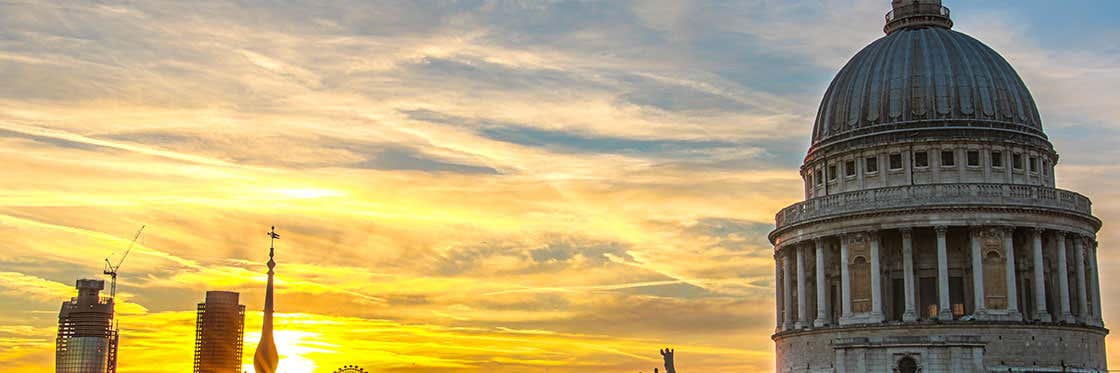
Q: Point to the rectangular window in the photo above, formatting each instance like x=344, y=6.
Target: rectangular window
x=921, y=159
x=973, y=158
x=997, y=159
x=948, y=158
x=819, y=177
x=832, y=172
x=896, y=161
x=1045, y=168
x=850, y=168
x=871, y=164
x=1034, y=164
x=1017, y=161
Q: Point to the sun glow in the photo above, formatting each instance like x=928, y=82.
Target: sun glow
x=294, y=346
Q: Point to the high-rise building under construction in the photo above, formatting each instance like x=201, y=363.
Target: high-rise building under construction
x=87, y=341
x=219, y=333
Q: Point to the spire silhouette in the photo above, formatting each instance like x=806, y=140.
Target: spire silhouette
x=265, y=360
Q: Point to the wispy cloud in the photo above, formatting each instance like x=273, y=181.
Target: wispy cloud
x=461, y=186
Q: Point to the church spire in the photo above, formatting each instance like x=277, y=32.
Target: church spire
x=266, y=359
x=916, y=14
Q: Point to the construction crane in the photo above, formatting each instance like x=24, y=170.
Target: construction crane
x=111, y=269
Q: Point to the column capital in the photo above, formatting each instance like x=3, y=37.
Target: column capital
x=1039, y=230
x=872, y=233
x=1061, y=233
x=1007, y=229
x=941, y=229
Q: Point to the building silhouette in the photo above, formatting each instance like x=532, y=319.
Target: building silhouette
x=87, y=341
x=932, y=237
x=219, y=331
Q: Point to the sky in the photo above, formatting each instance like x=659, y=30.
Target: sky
x=459, y=186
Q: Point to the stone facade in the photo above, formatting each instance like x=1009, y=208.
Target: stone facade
x=932, y=238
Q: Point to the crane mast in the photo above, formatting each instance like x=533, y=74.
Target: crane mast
x=111, y=269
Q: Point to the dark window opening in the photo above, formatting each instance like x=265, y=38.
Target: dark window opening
x=956, y=297
x=907, y=365
x=1034, y=164
x=921, y=159
x=948, y=158
x=974, y=158
x=898, y=299
x=997, y=159
x=820, y=179
x=928, y=297
x=850, y=168
x=896, y=161
x=832, y=172
x=1017, y=161
x=871, y=164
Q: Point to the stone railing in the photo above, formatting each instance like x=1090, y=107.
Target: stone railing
x=917, y=10
x=928, y=195
x=917, y=15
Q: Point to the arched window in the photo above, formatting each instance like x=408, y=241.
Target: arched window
x=907, y=364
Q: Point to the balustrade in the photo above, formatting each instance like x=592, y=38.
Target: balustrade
x=930, y=195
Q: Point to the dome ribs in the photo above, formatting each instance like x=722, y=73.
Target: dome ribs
x=932, y=78
x=885, y=52
x=899, y=72
x=919, y=77
x=942, y=75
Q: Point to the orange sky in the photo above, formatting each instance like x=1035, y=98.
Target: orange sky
x=459, y=187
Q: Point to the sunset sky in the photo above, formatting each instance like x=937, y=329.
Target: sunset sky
x=460, y=186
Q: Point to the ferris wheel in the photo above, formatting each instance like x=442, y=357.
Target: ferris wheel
x=350, y=369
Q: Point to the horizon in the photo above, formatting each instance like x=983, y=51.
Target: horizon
x=495, y=186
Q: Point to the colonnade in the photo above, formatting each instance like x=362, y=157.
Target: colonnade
x=988, y=254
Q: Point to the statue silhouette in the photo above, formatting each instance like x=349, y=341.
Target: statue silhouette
x=667, y=354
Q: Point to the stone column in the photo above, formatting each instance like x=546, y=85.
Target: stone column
x=1063, y=279
x=1082, y=292
x=876, y=278
x=943, y=313
x=978, y=299
x=787, y=294
x=1094, y=271
x=778, y=298
x=822, y=292
x=1039, y=278
x=1009, y=269
x=845, y=279
x=908, y=275
x=802, y=313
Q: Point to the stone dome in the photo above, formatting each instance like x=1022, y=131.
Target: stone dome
x=925, y=76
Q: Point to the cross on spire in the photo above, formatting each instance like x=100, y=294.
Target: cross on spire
x=272, y=237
